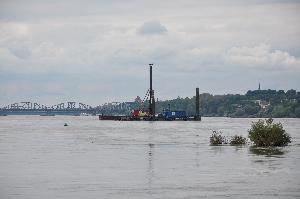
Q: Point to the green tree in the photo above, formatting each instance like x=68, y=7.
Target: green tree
x=265, y=133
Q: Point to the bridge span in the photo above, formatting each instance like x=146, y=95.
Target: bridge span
x=68, y=108
x=33, y=108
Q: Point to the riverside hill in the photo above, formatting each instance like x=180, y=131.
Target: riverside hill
x=256, y=103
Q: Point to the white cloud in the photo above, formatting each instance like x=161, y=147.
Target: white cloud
x=261, y=56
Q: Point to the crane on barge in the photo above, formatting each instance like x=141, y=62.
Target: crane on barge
x=150, y=115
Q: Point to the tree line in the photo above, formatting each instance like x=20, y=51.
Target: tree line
x=257, y=103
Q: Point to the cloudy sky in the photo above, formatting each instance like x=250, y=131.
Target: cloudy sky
x=98, y=51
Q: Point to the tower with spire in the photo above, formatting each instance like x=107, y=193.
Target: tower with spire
x=259, y=86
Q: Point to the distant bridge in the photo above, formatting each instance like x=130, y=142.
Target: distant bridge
x=68, y=108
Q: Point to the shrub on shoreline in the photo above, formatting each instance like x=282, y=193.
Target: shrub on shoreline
x=265, y=133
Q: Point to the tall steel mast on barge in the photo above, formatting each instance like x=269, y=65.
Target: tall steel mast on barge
x=152, y=99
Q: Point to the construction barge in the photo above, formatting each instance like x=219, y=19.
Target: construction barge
x=150, y=115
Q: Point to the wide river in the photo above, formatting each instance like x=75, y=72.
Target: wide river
x=40, y=158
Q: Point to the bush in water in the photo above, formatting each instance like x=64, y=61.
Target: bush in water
x=265, y=133
x=238, y=140
x=217, y=139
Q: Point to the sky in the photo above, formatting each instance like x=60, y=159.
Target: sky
x=98, y=51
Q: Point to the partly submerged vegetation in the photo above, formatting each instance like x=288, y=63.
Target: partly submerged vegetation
x=218, y=139
x=238, y=140
x=265, y=133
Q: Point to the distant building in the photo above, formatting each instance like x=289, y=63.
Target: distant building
x=259, y=86
x=262, y=103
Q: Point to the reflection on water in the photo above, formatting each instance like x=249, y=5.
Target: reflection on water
x=269, y=151
x=40, y=158
x=150, y=167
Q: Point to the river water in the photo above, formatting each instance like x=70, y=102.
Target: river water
x=40, y=158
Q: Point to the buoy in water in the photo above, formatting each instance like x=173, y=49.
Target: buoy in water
x=65, y=124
